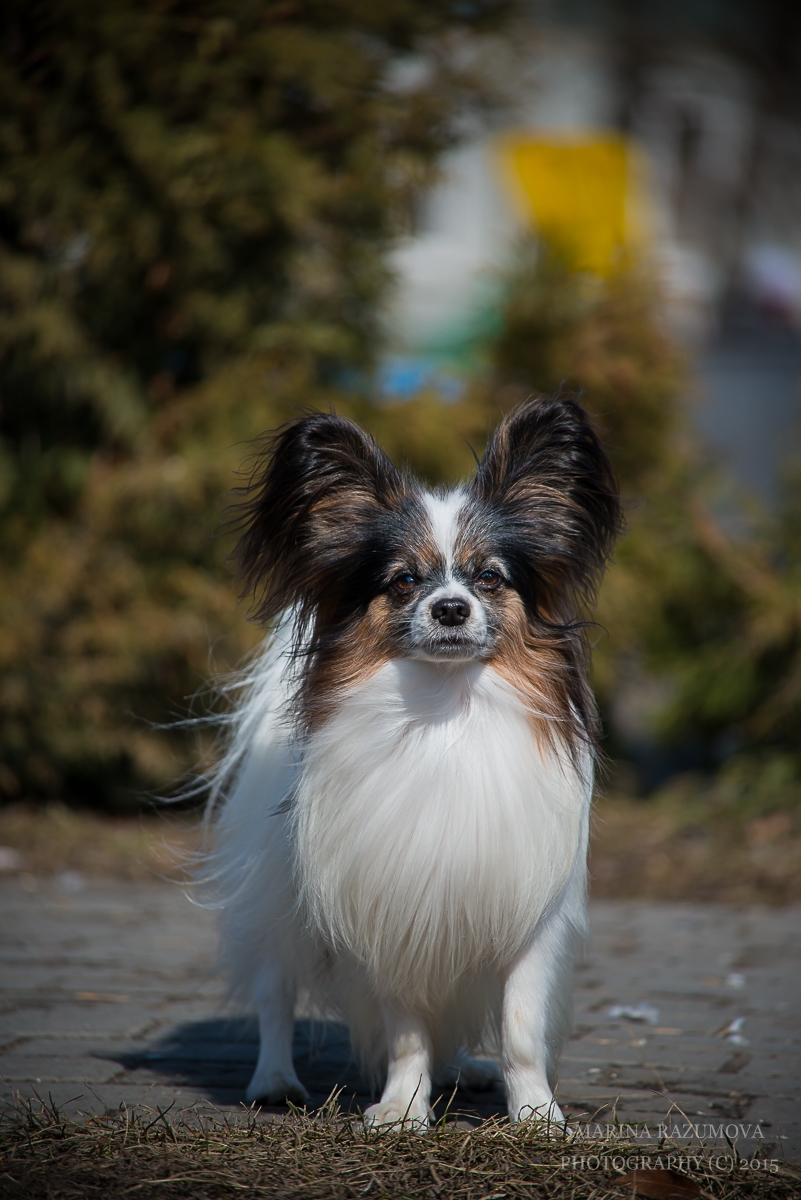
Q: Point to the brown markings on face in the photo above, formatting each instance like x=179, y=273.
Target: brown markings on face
x=346, y=655
x=474, y=548
x=544, y=660
x=548, y=672
x=426, y=554
x=546, y=667
x=350, y=661
x=428, y=563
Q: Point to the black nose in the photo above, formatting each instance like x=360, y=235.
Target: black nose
x=450, y=612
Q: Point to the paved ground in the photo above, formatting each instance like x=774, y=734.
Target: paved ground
x=107, y=995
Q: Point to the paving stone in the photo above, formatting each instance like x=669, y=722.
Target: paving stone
x=108, y=997
x=19, y=1067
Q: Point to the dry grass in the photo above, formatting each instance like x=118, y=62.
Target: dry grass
x=667, y=849
x=652, y=849
x=53, y=839
x=329, y=1156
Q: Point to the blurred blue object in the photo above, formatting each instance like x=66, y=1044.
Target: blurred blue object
x=402, y=377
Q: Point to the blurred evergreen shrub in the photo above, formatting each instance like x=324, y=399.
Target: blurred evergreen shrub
x=194, y=207
x=699, y=629
x=194, y=204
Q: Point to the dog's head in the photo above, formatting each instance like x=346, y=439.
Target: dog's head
x=375, y=566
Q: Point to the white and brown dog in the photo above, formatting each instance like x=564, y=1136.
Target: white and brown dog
x=401, y=816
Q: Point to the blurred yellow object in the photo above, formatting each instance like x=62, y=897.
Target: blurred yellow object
x=586, y=195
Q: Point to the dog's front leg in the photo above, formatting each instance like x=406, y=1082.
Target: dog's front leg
x=407, y=1094
x=534, y=990
x=274, y=1080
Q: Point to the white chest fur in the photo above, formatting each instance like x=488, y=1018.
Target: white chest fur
x=432, y=831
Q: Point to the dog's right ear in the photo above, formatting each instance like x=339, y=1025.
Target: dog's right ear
x=546, y=471
x=314, y=495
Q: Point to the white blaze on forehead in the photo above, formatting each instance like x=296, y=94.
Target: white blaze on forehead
x=443, y=514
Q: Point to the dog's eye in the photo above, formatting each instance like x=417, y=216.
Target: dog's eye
x=489, y=580
x=404, y=583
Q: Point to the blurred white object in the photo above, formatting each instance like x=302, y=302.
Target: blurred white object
x=692, y=287
x=466, y=231
x=71, y=881
x=773, y=275
x=10, y=860
x=731, y=1032
x=735, y=980
x=641, y=1012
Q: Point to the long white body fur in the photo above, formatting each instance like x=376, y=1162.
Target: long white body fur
x=417, y=865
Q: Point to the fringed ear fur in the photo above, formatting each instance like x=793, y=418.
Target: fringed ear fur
x=547, y=475
x=320, y=491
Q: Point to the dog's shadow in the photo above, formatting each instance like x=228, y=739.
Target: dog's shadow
x=217, y=1056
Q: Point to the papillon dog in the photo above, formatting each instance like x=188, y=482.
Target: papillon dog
x=401, y=817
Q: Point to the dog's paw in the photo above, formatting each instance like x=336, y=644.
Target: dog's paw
x=392, y=1112
x=469, y=1074
x=276, y=1088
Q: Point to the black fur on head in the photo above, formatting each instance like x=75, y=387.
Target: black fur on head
x=324, y=508
x=550, y=498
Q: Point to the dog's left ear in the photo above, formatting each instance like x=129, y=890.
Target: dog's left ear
x=547, y=473
x=319, y=497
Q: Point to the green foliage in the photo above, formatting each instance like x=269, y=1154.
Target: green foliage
x=194, y=205
x=603, y=338
x=708, y=624
x=732, y=640
x=605, y=341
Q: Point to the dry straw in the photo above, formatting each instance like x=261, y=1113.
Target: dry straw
x=331, y=1156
